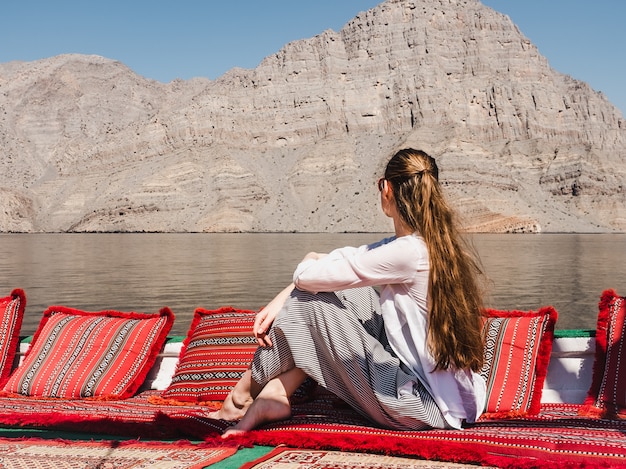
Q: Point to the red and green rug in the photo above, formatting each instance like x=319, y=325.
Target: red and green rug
x=558, y=436
x=290, y=458
x=38, y=453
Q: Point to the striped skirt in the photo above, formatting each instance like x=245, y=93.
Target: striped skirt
x=338, y=339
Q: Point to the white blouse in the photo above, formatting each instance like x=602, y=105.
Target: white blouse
x=400, y=267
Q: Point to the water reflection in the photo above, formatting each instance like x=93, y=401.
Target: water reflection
x=566, y=271
x=144, y=272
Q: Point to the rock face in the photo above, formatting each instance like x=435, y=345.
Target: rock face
x=297, y=143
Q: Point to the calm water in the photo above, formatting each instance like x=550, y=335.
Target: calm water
x=144, y=272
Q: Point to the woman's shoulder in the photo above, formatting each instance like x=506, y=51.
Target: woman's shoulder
x=404, y=249
x=414, y=241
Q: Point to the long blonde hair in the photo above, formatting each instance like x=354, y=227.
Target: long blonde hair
x=455, y=326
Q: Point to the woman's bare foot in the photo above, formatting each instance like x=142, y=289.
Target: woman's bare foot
x=262, y=410
x=271, y=404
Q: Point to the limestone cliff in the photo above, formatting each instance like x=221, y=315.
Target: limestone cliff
x=297, y=143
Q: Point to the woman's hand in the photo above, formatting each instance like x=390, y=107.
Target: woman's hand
x=266, y=316
x=262, y=324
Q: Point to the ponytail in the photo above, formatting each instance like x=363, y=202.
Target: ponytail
x=455, y=314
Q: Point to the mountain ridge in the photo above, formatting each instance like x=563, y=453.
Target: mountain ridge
x=296, y=143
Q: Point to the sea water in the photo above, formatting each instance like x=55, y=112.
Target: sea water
x=145, y=272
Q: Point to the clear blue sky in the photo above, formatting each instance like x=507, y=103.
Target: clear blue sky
x=188, y=38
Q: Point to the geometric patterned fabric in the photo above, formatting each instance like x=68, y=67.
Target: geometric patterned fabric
x=217, y=351
x=554, y=438
x=557, y=436
x=283, y=458
x=36, y=453
x=76, y=354
x=517, y=352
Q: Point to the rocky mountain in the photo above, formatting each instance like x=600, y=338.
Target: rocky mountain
x=297, y=143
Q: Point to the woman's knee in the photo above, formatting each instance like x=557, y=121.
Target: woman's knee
x=306, y=307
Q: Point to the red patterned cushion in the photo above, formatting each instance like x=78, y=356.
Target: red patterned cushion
x=78, y=354
x=11, y=315
x=607, y=394
x=217, y=351
x=517, y=353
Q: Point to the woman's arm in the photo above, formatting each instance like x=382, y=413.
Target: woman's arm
x=390, y=261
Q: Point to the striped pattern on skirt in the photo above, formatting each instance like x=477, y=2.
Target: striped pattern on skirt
x=339, y=340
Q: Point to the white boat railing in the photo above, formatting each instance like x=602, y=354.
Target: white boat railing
x=568, y=378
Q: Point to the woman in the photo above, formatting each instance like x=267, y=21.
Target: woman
x=406, y=358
